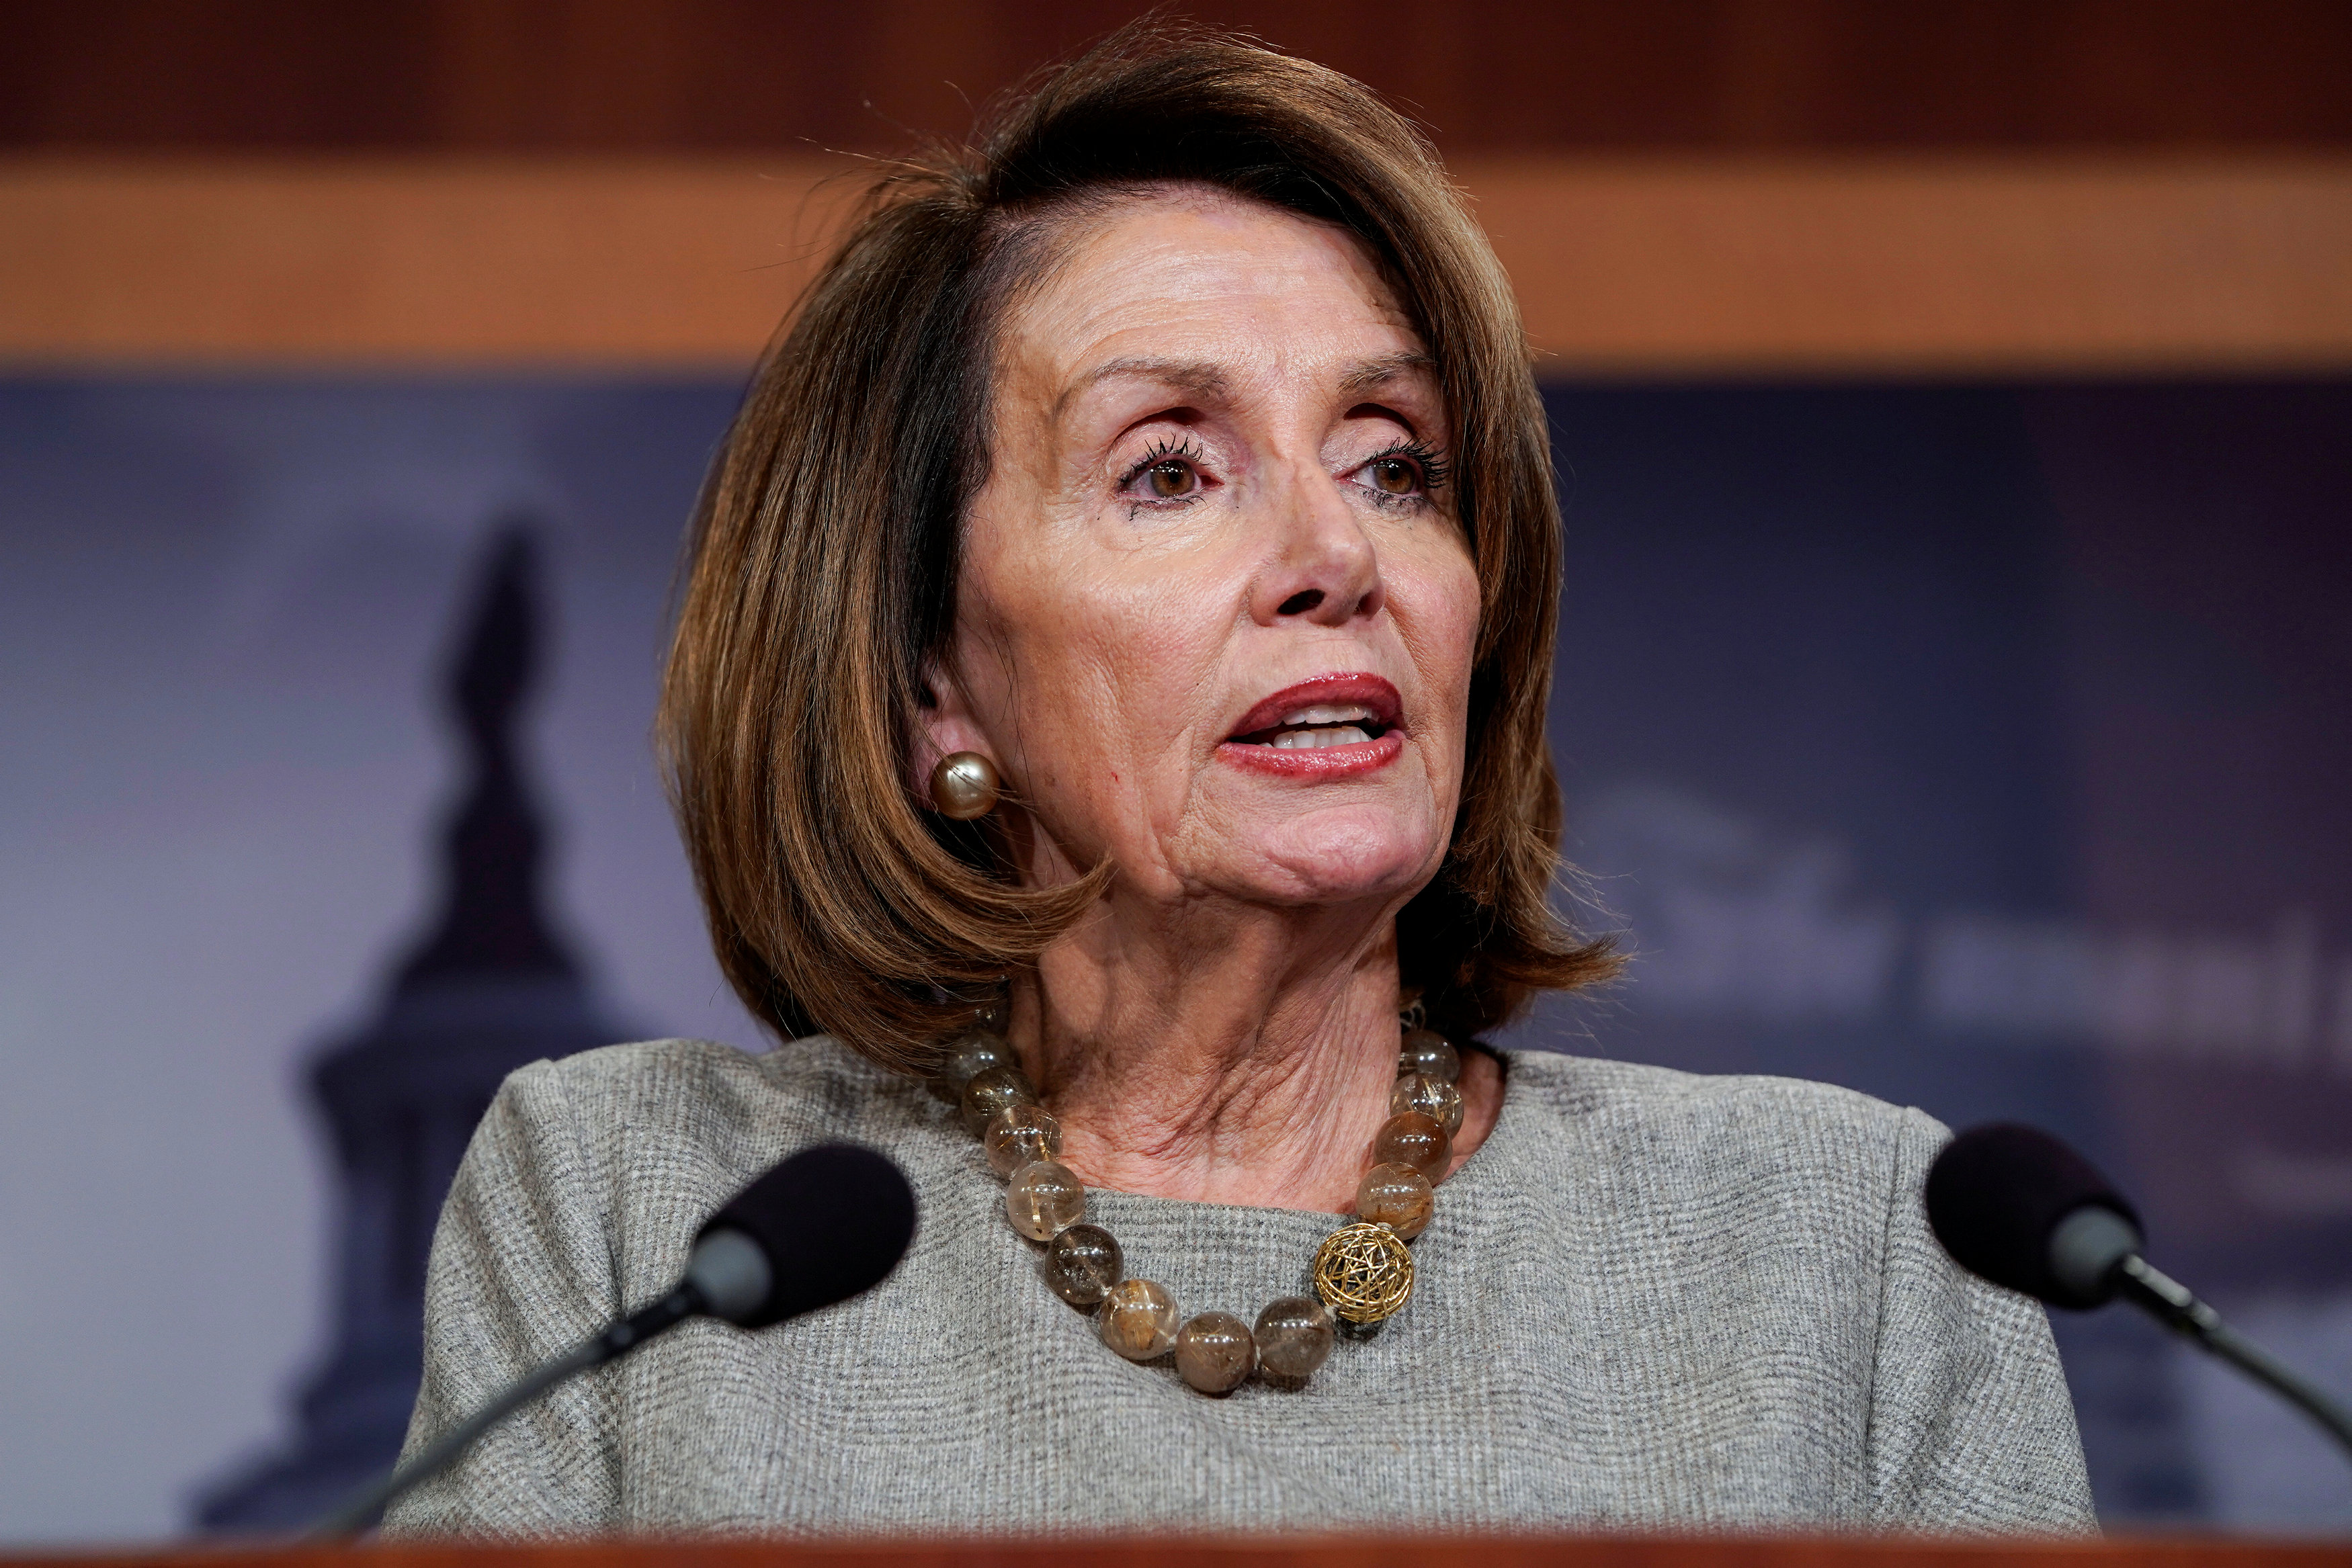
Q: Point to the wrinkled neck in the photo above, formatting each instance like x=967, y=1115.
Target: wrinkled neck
x=1213, y=1055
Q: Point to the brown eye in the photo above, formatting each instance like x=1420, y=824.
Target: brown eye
x=1395, y=476
x=1171, y=479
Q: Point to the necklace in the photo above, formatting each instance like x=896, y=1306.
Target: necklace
x=1362, y=1273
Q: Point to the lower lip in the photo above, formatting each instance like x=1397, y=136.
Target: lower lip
x=1315, y=763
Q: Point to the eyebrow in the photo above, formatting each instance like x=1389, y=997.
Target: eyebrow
x=1198, y=377
x=1387, y=368
x=1203, y=379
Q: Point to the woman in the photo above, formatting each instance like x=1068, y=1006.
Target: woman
x=1122, y=615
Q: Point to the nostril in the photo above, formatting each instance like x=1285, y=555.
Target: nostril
x=1300, y=603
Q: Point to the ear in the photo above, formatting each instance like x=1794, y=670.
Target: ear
x=944, y=726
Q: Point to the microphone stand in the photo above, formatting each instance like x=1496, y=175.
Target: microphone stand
x=2173, y=1304
x=623, y=1336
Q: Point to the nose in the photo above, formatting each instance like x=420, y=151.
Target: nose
x=1320, y=566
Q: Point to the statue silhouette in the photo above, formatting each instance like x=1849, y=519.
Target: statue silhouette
x=488, y=989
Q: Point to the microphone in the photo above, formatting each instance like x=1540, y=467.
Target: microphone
x=2017, y=1206
x=826, y=1225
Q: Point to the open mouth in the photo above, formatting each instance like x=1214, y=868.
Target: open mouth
x=1333, y=726
x=1318, y=726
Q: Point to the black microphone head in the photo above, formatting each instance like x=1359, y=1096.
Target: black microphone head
x=832, y=1221
x=1995, y=1198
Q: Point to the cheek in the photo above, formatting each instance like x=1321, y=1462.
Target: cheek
x=1438, y=609
x=1107, y=661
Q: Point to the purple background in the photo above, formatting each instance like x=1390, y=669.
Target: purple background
x=1981, y=747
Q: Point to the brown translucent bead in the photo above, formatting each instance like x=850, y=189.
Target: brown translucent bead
x=1412, y=1139
x=992, y=1091
x=1043, y=1198
x=1214, y=1353
x=1083, y=1263
x=1294, y=1336
x=1137, y=1319
x=1432, y=1097
x=1427, y=1052
x=1019, y=1135
x=970, y=1054
x=1398, y=1197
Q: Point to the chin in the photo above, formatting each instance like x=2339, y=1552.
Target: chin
x=1340, y=857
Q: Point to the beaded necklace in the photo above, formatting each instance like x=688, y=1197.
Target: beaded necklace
x=1363, y=1271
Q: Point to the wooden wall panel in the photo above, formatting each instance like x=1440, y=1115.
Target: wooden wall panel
x=487, y=76
x=1623, y=267
x=1941, y=267
x=627, y=265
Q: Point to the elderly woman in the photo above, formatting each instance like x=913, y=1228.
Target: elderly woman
x=1107, y=708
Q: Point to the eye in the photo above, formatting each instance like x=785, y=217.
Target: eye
x=1408, y=471
x=1169, y=472
x=1171, y=477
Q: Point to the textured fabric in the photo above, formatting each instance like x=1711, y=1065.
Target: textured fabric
x=1649, y=1300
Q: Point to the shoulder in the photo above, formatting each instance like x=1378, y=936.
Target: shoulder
x=1626, y=1093
x=701, y=1091
x=1779, y=1223
x=617, y=1154
x=1749, y=1136
x=669, y=1121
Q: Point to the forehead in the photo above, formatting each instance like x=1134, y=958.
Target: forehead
x=1206, y=276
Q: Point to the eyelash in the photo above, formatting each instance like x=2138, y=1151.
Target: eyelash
x=1424, y=457
x=1161, y=452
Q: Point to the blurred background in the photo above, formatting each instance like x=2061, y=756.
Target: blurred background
x=1953, y=406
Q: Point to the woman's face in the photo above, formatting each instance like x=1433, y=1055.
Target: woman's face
x=1216, y=613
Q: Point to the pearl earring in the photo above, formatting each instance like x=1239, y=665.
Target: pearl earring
x=964, y=785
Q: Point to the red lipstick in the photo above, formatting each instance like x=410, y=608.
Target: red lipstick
x=1249, y=745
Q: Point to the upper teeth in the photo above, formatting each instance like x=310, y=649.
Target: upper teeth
x=1329, y=712
x=1317, y=739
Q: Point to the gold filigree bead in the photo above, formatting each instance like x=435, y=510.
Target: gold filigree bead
x=1043, y=1199
x=1427, y=1050
x=1137, y=1319
x=1409, y=1138
x=1364, y=1272
x=1019, y=1135
x=1398, y=1197
x=1432, y=1097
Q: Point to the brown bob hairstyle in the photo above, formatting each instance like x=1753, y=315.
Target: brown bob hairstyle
x=821, y=575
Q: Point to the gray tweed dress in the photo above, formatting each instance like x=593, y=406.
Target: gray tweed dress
x=1649, y=1300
